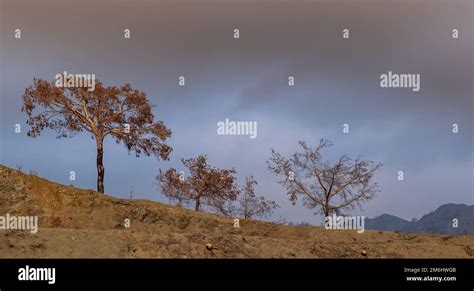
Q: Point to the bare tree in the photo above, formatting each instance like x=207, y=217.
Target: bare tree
x=329, y=188
x=205, y=186
x=121, y=112
x=251, y=206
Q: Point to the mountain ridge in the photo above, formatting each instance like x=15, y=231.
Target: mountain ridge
x=438, y=221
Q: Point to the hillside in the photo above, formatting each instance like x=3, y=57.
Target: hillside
x=83, y=223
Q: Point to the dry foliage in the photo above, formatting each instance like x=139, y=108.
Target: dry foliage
x=204, y=187
x=121, y=112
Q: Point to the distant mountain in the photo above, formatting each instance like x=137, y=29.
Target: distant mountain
x=439, y=221
x=387, y=222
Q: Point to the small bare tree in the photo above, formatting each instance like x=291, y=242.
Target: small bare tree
x=205, y=187
x=329, y=188
x=121, y=112
x=131, y=192
x=251, y=206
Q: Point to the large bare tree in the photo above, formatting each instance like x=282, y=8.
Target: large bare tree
x=121, y=112
x=327, y=187
x=204, y=186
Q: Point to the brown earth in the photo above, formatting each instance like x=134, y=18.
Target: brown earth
x=85, y=224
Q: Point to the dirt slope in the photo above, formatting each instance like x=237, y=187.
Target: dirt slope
x=83, y=223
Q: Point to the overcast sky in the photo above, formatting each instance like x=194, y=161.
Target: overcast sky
x=336, y=82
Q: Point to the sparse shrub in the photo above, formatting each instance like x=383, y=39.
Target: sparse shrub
x=250, y=206
x=206, y=187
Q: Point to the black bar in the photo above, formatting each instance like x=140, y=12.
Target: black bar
x=120, y=272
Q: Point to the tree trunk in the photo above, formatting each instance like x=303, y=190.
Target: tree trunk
x=198, y=205
x=100, y=167
x=326, y=209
